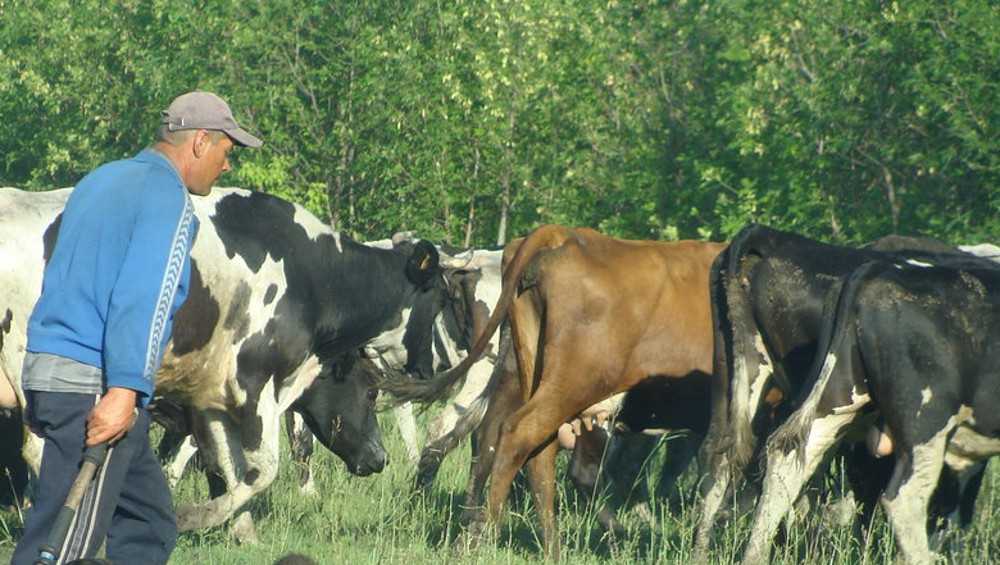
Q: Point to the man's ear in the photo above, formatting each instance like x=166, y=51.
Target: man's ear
x=200, y=142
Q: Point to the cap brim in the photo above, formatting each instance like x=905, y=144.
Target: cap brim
x=241, y=137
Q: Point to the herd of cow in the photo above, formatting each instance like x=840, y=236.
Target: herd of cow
x=771, y=351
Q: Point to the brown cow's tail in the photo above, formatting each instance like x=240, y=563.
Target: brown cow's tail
x=405, y=389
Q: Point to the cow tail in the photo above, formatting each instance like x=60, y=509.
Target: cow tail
x=737, y=348
x=833, y=343
x=716, y=439
x=404, y=389
x=838, y=319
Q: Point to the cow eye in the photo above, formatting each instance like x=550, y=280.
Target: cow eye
x=372, y=395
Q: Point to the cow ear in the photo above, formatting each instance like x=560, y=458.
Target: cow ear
x=422, y=264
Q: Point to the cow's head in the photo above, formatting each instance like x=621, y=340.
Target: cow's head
x=339, y=408
x=423, y=338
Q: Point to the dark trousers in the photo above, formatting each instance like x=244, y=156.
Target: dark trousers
x=128, y=502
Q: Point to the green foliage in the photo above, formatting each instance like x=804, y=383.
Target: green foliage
x=481, y=119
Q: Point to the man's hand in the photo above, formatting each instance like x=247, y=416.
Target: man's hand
x=112, y=417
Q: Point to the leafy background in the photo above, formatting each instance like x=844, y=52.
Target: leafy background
x=472, y=122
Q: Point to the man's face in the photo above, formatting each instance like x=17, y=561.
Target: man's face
x=212, y=161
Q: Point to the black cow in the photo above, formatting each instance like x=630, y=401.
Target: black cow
x=918, y=341
x=768, y=291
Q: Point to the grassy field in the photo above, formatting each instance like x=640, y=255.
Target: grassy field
x=377, y=520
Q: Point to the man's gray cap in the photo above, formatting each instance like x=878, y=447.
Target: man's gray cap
x=204, y=110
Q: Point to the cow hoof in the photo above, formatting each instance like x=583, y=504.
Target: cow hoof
x=612, y=527
x=308, y=488
x=187, y=518
x=645, y=514
x=427, y=470
x=243, y=530
x=466, y=544
x=470, y=516
x=471, y=538
x=193, y=517
x=699, y=556
x=841, y=513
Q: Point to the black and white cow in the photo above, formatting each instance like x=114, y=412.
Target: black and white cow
x=768, y=291
x=472, y=279
x=276, y=298
x=476, y=290
x=918, y=342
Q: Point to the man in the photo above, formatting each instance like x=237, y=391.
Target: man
x=118, y=273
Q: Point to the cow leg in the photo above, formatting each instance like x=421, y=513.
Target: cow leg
x=529, y=428
x=246, y=469
x=262, y=452
x=218, y=440
x=867, y=476
x=906, y=499
x=799, y=445
x=681, y=451
x=542, y=476
x=31, y=451
x=12, y=467
x=177, y=459
x=509, y=396
x=520, y=435
x=953, y=502
x=503, y=403
x=788, y=468
x=628, y=457
x=737, y=388
x=716, y=485
x=586, y=468
x=463, y=414
x=970, y=480
x=950, y=509
x=301, y=442
x=535, y=424
x=407, y=425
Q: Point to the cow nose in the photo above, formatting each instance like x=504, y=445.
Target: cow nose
x=379, y=458
x=373, y=461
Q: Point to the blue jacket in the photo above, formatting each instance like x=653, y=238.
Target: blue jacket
x=119, y=271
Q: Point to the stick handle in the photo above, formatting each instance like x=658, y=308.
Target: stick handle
x=93, y=458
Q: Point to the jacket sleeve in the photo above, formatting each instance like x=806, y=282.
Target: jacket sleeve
x=141, y=308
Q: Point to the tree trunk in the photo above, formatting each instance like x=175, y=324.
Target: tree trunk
x=333, y=194
x=467, y=243
x=834, y=224
x=890, y=192
x=447, y=221
x=345, y=112
x=504, y=209
x=506, y=183
x=351, y=183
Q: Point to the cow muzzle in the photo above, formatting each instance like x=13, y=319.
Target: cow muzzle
x=372, y=460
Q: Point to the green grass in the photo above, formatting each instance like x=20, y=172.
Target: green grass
x=377, y=520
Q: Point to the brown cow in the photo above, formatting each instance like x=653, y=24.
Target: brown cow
x=591, y=316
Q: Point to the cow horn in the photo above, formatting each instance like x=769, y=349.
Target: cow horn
x=448, y=262
x=401, y=236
